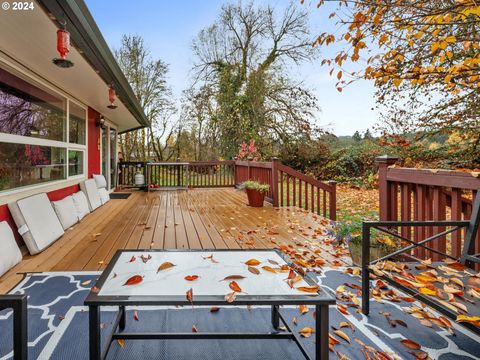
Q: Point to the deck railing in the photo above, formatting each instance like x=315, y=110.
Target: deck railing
x=288, y=187
x=423, y=194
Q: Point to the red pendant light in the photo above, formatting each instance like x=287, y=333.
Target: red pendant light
x=112, y=95
x=63, y=47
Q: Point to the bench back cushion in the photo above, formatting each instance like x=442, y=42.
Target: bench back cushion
x=66, y=212
x=10, y=254
x=36, y=221
x=81, y=204
x=100, y=181
x=89, y=187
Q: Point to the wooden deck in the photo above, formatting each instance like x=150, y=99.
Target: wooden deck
x=197, y=219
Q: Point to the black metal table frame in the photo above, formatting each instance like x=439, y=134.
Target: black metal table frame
x=94, y=301
x=18, y=303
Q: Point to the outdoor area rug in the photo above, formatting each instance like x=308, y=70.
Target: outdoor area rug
x=119, y=196
x=58, y=327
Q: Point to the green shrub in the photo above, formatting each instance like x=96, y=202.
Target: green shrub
x=254, y=185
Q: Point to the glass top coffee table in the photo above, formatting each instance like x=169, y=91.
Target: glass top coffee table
x=205, y=278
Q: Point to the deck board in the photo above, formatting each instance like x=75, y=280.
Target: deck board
x=197, y=219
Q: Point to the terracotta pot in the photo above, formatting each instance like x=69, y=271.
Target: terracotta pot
x=255, y=197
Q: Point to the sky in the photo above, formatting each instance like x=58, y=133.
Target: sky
x=169, y=26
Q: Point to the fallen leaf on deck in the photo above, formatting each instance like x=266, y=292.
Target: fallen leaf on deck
x=135, y=315
x=191, y=277
x=474, y=320
x=121, y=342
x=306, y=332
x=214, y=309
x=303, y=309
x=194, y=329
x=341, y=334
x=164, y=266
x=134, y=280
x=411, y=344
x=86, y=282
x=95, y=290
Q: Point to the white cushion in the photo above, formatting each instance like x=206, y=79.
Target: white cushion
x=81, y=204
x=10, y=254
x=36, y=221
x=66, y=212
x=100, y=181
x=89, y=187
x=104, y=196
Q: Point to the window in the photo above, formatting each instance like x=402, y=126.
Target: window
x=75, y=162
x=23, y=164
x=39, y=140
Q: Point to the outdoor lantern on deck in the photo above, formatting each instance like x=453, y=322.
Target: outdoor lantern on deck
x=111, y=97
x=63, y=47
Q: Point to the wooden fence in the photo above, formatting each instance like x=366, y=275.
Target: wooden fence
x=422, y=194
x=287, y=186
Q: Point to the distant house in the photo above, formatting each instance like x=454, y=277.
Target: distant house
x=56, y=128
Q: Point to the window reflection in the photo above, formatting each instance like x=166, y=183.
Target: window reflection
x=27, y=110
x=22, y=165
x=75, y=162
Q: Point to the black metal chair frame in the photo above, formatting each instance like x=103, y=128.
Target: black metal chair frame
x=18, y=303
x=467, y=257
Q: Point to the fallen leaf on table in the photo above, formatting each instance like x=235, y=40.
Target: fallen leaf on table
x=230, y=297
x=145, y=259
x=269, y=269
x=234, y=286
x=309, y=289
x=254, y=270
x=132, y=259
x=252, y=262
x=306, y=332
x=134, y=280
x=411, y=344
x=210, y=258
x=191, y=277
x=233, y=277
x=189, y=295
x=164, y=266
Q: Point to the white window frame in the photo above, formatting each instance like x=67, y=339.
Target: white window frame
x=66, y=145
x=108, y=125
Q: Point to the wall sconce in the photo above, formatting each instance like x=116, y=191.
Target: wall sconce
x=101, y=122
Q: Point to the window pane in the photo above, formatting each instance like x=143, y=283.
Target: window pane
x=77, y=124
x=28, y=110
x=22, y=165
x=75, y=162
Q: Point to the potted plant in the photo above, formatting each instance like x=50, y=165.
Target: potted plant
x=350, y=234
x=255, y=192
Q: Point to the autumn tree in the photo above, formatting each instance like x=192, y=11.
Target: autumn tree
x=147, y=77
x=242, y=90
x=423, y=57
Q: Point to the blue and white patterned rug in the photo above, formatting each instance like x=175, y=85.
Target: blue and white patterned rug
x=58, y=327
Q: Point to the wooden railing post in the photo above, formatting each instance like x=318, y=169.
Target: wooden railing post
x=332, y=201
x=274, y=183
x=384, y=188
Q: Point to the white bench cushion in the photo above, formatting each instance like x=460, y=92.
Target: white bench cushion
x=104, y=196
x=89, y=187
x=81, y=204
x=66, y=212
x=36, y=221
x=10, y=254
x=100, y=181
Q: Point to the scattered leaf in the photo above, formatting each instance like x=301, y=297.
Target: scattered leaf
x=306, y=332
x=254, y=270
x=190, y=296
x=252, y=262
x=309, y=289
x=134, y=280
x=411, y=344
x=230, y=297
x=234, y=286
x=191, y=277
x=164, y=266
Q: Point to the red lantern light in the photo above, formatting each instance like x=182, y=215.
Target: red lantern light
x=63, y=47
x=63, y=43
x=112, y=95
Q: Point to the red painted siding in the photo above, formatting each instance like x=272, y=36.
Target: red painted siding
x=93, y=143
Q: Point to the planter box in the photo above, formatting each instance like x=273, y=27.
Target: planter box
x=376, y=252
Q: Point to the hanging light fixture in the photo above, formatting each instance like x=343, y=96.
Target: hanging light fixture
x=112, y=95
x=63, y=47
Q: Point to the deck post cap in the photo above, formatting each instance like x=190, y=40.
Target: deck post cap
x=386, y=159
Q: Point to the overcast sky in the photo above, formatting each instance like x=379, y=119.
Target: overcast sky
x=168, y=28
